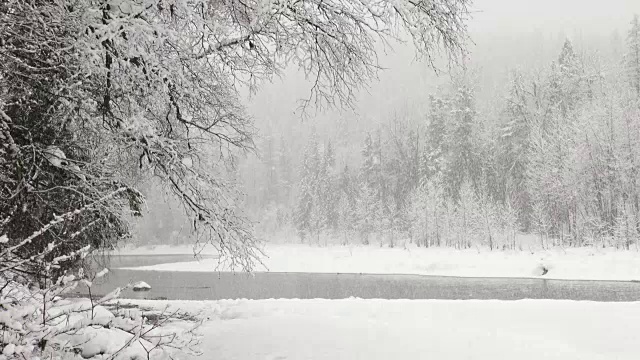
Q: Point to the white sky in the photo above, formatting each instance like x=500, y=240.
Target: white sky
x=495, y=15
x=503, y=31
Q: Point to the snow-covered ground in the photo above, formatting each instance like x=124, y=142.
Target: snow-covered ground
x=420, y=329
x=583, y=263
x=415, y=329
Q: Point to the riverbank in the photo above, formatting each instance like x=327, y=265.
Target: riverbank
x=566, y=264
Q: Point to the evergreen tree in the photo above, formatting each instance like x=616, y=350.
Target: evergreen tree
x=346, y=208
x=464, y=145
x=347, y=185
x=567, y=85
x=513, y=151
x=401, y=171
x=307, y=218
x=327, y=193
x=433, y=161
x=372, y=179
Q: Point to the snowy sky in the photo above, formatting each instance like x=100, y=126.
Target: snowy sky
x=521, y=15
x=498, y=27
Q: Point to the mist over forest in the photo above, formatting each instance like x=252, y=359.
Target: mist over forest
x=535, y=133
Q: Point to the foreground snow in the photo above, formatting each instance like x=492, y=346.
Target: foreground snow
x=579, y=264
x=48, y=325
x=414, y=329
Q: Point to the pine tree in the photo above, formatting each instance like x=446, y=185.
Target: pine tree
x=347, y=186
x=401, y=173
x=514, y=149
x=464, y=160
x=568, y=60
x=327, y=192
x=433, y=161
x=567, y=81
x=373, y=184
x=307, y=218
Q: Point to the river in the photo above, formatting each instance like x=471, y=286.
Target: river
x=225, y=285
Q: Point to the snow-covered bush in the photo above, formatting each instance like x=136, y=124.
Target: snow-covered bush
x=42, y=322
x=39, y=320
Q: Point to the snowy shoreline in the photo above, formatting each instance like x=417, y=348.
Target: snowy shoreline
x=560, y=264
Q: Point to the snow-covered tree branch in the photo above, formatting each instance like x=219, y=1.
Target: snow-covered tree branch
x=99, y=95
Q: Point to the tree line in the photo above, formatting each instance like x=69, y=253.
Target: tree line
x=556, y=155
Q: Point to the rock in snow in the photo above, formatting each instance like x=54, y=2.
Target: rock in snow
x=141, y=286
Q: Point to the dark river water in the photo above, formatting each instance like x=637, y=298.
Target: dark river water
x=224, y=285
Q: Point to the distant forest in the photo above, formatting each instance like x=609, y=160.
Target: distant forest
x=554, y=151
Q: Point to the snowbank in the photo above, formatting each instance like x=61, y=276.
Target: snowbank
x=578, y=264
x=415, y=329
